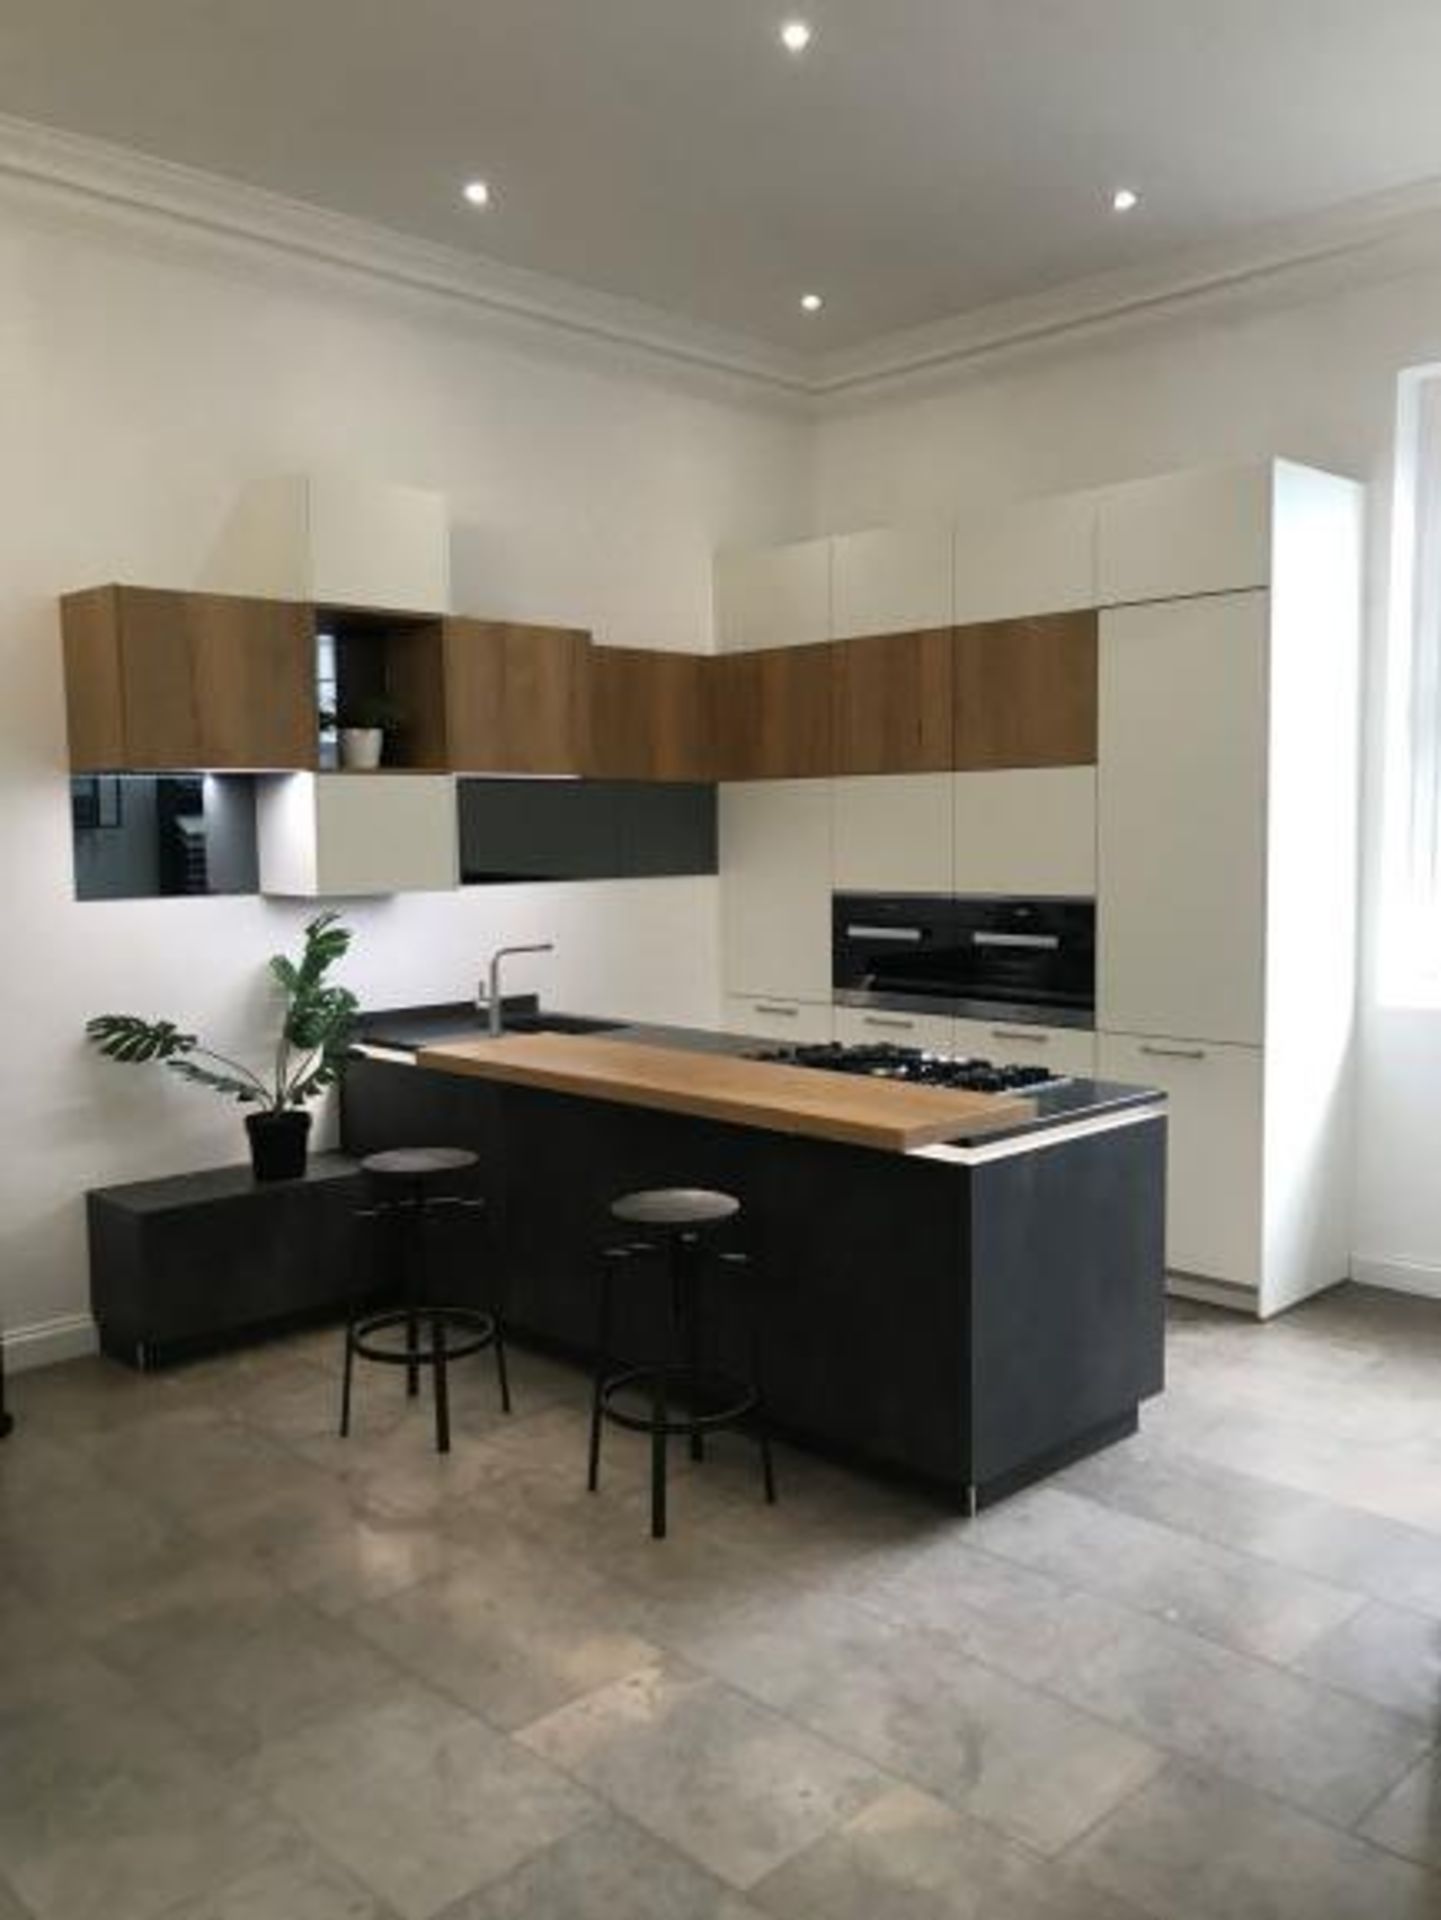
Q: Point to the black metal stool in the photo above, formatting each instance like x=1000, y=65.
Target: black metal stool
x=672, y=1222
x=406, y=1186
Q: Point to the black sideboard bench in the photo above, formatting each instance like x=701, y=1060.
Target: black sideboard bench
x=201, y=1261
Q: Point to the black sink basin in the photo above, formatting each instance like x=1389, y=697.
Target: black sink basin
x=559, y=1023
x=409, y=1029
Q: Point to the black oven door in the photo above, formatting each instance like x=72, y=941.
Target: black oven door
x=1033, y=958
x=894, y=950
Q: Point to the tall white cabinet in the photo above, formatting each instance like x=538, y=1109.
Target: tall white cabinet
x=1227, y=857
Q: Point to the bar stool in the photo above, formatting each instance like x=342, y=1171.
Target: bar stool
x=672, y=1225
x=407, y=1191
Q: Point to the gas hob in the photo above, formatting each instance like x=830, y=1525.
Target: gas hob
x=913, y=1066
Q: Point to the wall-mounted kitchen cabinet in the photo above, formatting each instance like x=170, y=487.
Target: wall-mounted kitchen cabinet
x=650, y=715
x=775, y=861
x=772, y=596
x=890, y=580
x=338, y=834
x=584, y=829
x=1025, y=693
x=517, y=698
x=1025, y=830
x=1178, y=534
x=893, y=834
x=893, y=699
x=187, y=680
x=336, y=540
x=773, y=713
x=1026, y=558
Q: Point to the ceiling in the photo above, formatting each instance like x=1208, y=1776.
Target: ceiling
x=921, y=159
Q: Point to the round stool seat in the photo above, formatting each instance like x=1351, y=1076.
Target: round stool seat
x=675, y=1207
x=415, y=1163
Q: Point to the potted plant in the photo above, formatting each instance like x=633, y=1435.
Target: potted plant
x=310, y=1053
x=363, y=723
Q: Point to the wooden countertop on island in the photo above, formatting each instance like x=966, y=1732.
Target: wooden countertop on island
x=749, y=1093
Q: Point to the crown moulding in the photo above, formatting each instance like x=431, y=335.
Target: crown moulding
x=1382, y=236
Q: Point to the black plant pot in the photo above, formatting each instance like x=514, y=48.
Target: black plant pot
x=278, y=1143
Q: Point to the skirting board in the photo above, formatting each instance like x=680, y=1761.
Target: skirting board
x=69, y=1337
x=1397, y=1276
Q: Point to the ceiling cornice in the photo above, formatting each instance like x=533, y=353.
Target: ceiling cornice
x=1272, y=266
x=139, y=184
x=1377, y=238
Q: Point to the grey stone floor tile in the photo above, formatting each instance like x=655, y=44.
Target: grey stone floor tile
x=107, y=1811
x=1370, y=1554
x=1232, y=1597
x=239, y=1671
x=1190, y=1846
x=1324, y=1751
x=298, y=1885
x=613, y=1870
x=916, y=1704
x=1387, y=1655
x=911, y=1857
x=418, y=1799
x=514, y=1633
x=10, y=1907
x=1408, y=1820
x=736, y=1787
x=357, y=1558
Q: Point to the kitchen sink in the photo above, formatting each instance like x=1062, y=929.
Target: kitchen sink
x=559, y=1023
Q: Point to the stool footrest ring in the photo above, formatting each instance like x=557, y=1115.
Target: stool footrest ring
x=639, y=1378
x=476, y=1329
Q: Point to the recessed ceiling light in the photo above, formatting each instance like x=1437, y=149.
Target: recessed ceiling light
x=1125, y=199
x=796, y=35
x=812, y=302
x=477, y=192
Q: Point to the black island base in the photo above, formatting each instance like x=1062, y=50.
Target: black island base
x=973, y=1315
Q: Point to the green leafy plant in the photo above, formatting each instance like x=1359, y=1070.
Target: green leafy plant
x=311, y=1050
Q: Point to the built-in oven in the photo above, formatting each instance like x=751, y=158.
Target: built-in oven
x=980, y=956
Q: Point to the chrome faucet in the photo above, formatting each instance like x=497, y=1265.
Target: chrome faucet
x=494, y=1005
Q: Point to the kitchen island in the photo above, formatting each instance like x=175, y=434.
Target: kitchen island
x=965, y=1288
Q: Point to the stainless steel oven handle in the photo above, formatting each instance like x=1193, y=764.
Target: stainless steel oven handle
x=1048, y=942
x=910, y=936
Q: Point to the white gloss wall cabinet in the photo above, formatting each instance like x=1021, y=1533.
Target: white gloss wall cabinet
x=1209, y=531
x=890, y=580
x=1032, y=557
x=893, y=833
x=352, y=834
x=785, y=1022
x=1181, y=939
x=1025, y=830
x=884, y=1026
x=772, y=596
x=775, y=866
x=336, y=541
x=1067, y=1050
x=1215, y=1164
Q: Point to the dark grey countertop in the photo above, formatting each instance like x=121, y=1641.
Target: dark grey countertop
x=407, y=1029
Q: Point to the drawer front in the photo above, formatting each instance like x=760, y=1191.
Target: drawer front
x=1214, y=1162
x=1068, y=1050
x=777, y=1019
x=879, y=1026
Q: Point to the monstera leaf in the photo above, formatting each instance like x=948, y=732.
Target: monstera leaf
x=315, y=1032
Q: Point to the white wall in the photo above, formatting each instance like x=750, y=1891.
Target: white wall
x=144, y=377
x=1314, y=381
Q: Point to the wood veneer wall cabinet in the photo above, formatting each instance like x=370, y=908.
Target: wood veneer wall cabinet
x=155, y=679
x=517, y=698
x=1025, y=692
x=893, y=703
x=649, y=715
x=772, y=713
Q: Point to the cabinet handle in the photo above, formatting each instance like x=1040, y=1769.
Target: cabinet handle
x=1174, y=1053
x=774, y=1006
x=1033, y=1034
x=880, y=1020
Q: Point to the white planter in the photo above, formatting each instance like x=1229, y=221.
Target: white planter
x=360, y=748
